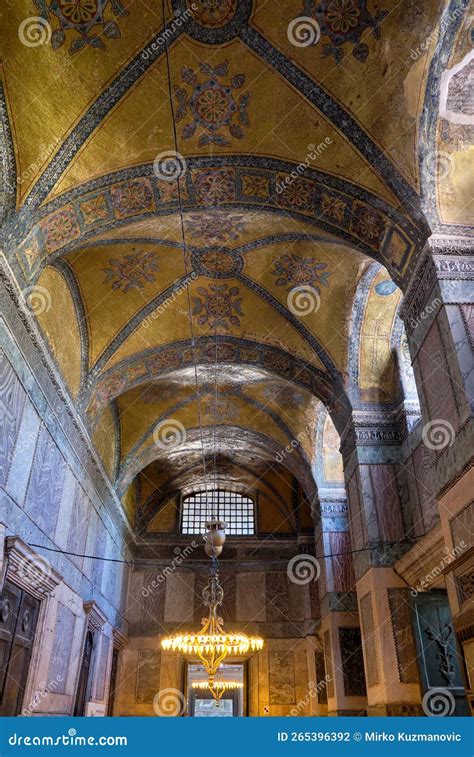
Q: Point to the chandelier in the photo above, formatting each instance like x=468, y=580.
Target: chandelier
x=218, y=687
x=211, y=645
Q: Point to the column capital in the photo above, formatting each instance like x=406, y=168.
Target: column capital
x=375, y=434
x=444, y=259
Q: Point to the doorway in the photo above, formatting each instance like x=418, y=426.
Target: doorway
x=83, y=684
x=201, y=703
x=18, y=618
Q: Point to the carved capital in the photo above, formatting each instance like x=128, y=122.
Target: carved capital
x=29, y=570
x=95, y=617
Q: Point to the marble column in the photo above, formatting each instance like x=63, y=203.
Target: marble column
x=379, y=522
x=438, y=311
x=339, y=627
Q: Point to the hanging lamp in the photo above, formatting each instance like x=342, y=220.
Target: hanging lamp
x=211, y=645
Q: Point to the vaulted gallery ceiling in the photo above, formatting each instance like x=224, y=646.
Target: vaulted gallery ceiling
x=172, y=302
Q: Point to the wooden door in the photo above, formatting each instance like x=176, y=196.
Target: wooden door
x=18, y=618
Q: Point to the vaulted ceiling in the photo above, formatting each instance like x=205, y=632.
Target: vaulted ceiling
x=202, y=265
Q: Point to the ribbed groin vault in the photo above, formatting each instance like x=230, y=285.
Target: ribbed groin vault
x=237, y=264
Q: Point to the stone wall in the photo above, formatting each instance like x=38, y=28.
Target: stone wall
x=54, y=517
x=281, y=678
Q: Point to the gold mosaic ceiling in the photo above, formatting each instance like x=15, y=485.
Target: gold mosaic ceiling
x=293, y=165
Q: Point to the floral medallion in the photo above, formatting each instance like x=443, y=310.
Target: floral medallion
x=213, y=13
x=215, y=186
x=219, y=409
x=132, y=198
x=344, y=21
x=368, y=224
x=215, y=227
x=90, y=19
x=217, y=263
x=60, y=228
x=215, y=110
x=293, y=270
x=218, y=306
x=133, y=271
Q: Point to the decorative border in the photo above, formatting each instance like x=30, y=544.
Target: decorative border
x=61, y=226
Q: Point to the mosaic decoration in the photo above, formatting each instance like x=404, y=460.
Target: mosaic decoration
x=218, y=307
x=212, y=104
x=385, y=288
x=221, y=409
x=90, y=19
x=344, y=22
x=215, y=228
x=385, y=233
x=213, y=13
x=294, y=270
x=132, y=271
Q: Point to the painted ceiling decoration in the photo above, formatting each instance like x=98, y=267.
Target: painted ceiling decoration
x=215, y=229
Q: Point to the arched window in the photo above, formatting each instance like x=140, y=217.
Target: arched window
x=237, y=510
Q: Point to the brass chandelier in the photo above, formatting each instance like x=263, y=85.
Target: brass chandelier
x=211, y=645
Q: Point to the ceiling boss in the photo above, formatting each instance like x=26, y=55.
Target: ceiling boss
x=212, y=645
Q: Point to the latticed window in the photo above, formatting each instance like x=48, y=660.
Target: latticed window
x=237, y=510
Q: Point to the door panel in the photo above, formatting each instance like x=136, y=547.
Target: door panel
x=18, y=618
